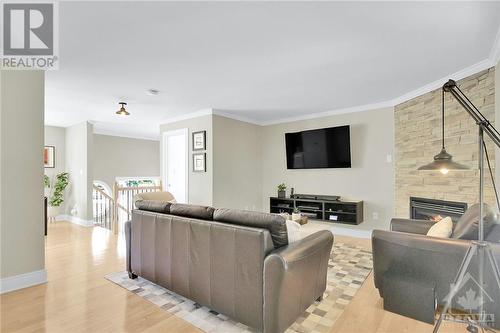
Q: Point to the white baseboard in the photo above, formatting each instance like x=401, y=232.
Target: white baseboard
x=75, y=220
x=21, y=281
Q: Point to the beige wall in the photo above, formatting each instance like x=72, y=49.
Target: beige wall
x=116, y=156
x=370, y=179
x=79, y=140
x=200, y=183
x=21, y=173
x=418, y=139
x=237, y=164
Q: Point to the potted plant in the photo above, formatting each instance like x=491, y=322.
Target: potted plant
x=296, y=216
x=56, y=189
x=281, y=190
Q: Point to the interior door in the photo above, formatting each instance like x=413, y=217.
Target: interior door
x=175, y=164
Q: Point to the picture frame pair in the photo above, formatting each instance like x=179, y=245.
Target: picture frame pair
x=199, y=144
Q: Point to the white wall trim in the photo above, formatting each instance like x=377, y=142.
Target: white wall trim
x=461, y=74
x=495, y=49
x=196, y=114
x=75, y=220
x=236, y=117
x=21, y=281
x=471, y=70
x=358, y=108
x=100, y=131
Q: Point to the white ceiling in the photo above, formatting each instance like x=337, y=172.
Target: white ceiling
x=255, y=60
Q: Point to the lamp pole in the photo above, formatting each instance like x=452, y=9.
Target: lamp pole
x=479, y=246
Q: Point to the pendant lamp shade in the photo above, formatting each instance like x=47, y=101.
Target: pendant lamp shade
x=443, y=162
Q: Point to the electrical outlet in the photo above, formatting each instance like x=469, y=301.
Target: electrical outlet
x=375, y=215
x=389, y=158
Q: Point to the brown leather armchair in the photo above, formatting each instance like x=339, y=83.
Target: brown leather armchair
x=407, y=250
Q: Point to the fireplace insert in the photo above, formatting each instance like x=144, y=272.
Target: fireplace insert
x=434, y=210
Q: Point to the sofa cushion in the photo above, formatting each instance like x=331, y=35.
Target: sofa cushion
x=154, y=206
x=274, y=223
x=193, y=211
x=468, y=225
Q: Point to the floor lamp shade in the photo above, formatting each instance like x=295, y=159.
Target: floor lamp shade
x=443, y=162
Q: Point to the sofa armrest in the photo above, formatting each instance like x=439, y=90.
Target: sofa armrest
x=128, y=232
x=411, y=226
x=294, y=277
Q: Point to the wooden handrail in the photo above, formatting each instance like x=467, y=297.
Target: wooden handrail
x=98, y=189
x=118, y=191
x=132, y=188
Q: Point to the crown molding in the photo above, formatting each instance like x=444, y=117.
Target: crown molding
x=359, y=108
x=495, y=49
x=196, y=114
x=466, y=72
x=461, y=74
x=236, y=117
x=103, y=131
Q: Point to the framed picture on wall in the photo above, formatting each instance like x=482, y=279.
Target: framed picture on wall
x=199, y=140
x=199, y=162
x=49, y=156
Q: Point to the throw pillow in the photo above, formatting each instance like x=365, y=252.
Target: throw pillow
x=293, y=229
x=442, y=228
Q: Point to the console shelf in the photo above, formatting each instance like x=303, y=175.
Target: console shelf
x=335, y=211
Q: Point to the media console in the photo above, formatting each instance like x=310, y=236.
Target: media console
x=320, y=208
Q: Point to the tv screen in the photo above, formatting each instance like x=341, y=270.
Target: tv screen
x=321, y=148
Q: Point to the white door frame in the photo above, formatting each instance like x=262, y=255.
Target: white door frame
x=163, y=156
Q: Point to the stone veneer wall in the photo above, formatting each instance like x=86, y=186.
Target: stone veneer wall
x=418, y=139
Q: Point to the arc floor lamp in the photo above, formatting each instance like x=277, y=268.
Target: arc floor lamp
x=443, y=162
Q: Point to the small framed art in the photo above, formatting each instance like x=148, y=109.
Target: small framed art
x=199, y=142
x=49, y=157
x=199, y=162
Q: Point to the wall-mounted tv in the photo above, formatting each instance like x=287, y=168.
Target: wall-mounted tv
x=320, y=148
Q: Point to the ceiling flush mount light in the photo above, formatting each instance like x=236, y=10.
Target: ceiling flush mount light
x=152, y=92
x=122, y=111
x=443, y=162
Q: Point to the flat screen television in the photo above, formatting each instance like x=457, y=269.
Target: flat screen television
x=320, y=148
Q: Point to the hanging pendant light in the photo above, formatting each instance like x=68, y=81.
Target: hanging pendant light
x=122, y=111
x=443, y=162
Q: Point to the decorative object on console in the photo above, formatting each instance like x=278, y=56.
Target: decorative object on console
x=296, y=216
x=199, y=162
x=443, y=162
x=281, y=190
x=199, y=140
x=49, y=157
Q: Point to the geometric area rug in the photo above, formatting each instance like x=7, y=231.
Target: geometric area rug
x=348, y=268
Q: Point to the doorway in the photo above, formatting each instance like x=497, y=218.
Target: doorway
x=175, y=163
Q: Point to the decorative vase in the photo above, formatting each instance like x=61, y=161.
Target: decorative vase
x=53, y=211
x=296, y=217
x=281, y=194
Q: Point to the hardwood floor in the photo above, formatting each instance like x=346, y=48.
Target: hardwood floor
x=79, y=299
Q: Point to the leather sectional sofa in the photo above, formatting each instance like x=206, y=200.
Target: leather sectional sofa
x=238, y=263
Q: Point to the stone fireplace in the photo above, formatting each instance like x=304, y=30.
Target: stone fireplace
x=435, y=210
x=417, y=130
